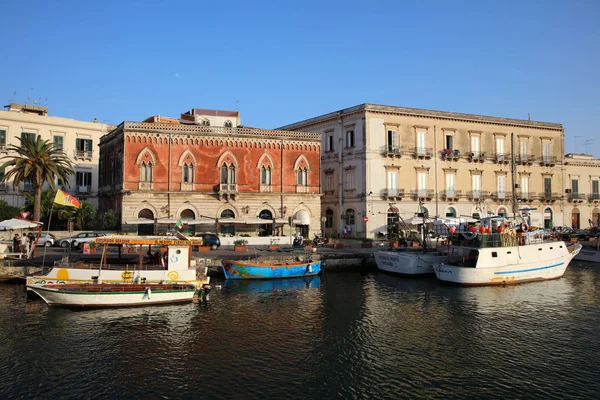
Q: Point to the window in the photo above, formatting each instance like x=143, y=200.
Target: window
x=546, y=151
x=349, y=138
x=451, y=212
x=349, y=180
x=2, y=139
x=476, y=183
x=450, y=185
x=548, y=187
x=29, y=135
x=205, y=122
x=330, y=142
x=83, y=147
x=228, y=124
x=392, y=141
x=265, y=175
x=575, y=186
x=329, y=216
x=350, y=216
x=329, y=183
x=525, y=187
x=595, y=193
x=501, y=186
x=500, y=146
x=523, y=149
x=188, y=173
x=475, y=145
x=393, y=183
x=302, y=177
x=146, y=172
x=422, y=184
x=83, y=181
x=228, y=174
x=450, y=142
x=58, y=142
x=421, y=142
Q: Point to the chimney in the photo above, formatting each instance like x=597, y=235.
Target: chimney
x=95, y=120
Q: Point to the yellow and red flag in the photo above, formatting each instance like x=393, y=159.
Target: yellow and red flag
x=65, y=199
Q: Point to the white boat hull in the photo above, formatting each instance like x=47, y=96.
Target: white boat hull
x=588, y=255
x=59, y=275
x=510, y=265
x=405, y=263
x=58, y=297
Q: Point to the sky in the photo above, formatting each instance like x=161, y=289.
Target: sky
x=280, y=62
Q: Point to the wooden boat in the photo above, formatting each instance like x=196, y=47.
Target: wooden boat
x=174, y=266
x=247, y=269
x=501, y=258
x=113, y=295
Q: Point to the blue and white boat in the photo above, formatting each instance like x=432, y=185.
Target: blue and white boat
x=505, y=258
x=247, y=269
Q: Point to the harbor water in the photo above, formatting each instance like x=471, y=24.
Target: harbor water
x=344, y=335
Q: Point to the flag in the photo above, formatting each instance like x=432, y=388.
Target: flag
x=179, y=224
x=65, y=199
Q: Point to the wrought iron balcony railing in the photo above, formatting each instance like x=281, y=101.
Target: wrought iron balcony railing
x=502, y=158
x=476, y=156
x=394, y=151
x=548, y=197
x=477, y=194
x=423, y=152
x=549, y=161
x=524, y=159
x=426, y=194
x=394, y=193
x=83, y=153
x=450, y=154
x=451, y=195
x=576, y=197
x=502, y=196
x=594, y=198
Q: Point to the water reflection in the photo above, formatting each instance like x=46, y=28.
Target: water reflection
x=266, y=285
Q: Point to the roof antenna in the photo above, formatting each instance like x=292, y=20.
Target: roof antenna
x=588, y=141
x=528, y=117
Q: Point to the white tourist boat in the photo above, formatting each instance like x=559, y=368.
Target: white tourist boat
x=114, y=295
x=174, y=266
x=504, y=258
x=409, y=262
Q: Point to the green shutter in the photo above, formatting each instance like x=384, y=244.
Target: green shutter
x=58, y=142
x=595, y=187
x=89, y=145
x=548, y=185
x=575, y=186
x=2, y=137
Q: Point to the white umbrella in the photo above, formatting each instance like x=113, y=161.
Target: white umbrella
x=16, y=223
x=417, y=221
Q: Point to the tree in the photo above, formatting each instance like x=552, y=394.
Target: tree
x=37, y=161
x=8, y=212
x=82, y=216
x=108, y=220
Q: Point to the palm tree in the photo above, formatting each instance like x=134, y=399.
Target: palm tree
x=82, y=216
x=37, y=161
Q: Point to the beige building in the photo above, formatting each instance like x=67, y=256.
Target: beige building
x=78, y=139
x=582, y=194
x=380, y=162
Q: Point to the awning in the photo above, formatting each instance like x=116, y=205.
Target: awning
x=259, y=221
x=17, y=223
x=200, y=221
x=282, y=220
x=231, y=221
x=302, y=217
x=140, y=221
x=418, y=221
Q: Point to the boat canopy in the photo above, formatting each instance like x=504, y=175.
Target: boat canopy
x=147, y=240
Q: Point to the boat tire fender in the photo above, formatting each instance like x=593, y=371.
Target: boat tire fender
x=524, y=227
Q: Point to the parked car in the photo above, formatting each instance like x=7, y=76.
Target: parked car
x=80, y=238
x=46, y=239
x=210, y=239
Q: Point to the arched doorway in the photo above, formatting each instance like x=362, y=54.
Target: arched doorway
x=146, y=229
x=548, y=217
x=450, y=212
x=575, y=222
x=187, y=216
x=350, y=221
x=502, y=212
x=227, y=229
x=266, y=229
x=303, y=222
x=328, y=221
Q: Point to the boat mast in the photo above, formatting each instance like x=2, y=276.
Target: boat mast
x=513, y=173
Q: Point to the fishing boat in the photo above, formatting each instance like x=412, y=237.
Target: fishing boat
x=505, y=258
x=138, y=266
x=248, y=269
x=114, y=295
x=588, y=254
x=413, y=263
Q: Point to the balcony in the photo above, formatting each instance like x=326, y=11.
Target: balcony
x=187, y=186
x=548, y=161
x=83, y=154
x=594, y=198
x=502, y=197
x=548, y=197
x=228, y=191
x=265, y=188
x=502, y=158
x=3, y=187
x=393, y=151
x=476, y=156
x=145, y=186
x=576, y=197
x=393, y=194
x=526, y=196
x=422, y=194
x=83, y=190
x=301, y=189
x=423, y=153
x=451, y=195
x=476, y=195
x=450, y=155
x=524, y=159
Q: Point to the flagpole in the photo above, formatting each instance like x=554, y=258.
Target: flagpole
x=48, y=237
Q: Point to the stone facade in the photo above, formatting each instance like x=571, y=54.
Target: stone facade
x=381, y=162
x=582, y=193
x=77, y=138
x=212, y=174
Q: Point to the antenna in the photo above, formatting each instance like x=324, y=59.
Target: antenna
x=29, y=98
x=588, y=141
x=576, y=143
x=528, y=117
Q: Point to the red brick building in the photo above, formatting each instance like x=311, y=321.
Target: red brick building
x=212, y=173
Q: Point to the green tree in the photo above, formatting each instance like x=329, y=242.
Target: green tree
x=83, y=217
x=37, y=161
x=108, y=220
x=7, y=212
x=45, y=204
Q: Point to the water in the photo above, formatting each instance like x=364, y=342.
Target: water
x=345, y=335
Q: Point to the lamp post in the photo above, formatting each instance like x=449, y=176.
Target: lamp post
x=323, y=220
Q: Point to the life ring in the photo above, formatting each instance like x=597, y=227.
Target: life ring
x=524, y=227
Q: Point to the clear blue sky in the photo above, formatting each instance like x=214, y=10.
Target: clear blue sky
x=287, y=61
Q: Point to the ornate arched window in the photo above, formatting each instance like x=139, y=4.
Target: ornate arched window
x=146, y=171
x=350, y=216
x=188, y=173
x=302, y=176
x=265, y=175
x=228, y=124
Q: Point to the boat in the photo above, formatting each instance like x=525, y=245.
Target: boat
x=588, y=254
x=413, y=263
x=505, y=258
x=248, y=269
x=271, y=285
x=173, y=266
x=114, y=295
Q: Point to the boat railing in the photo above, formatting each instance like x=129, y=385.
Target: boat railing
x=479, y=240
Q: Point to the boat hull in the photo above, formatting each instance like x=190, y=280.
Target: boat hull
x=64, y=296
x=588, y=255
x=413, y=264
x=249, y=270
x=538, y=262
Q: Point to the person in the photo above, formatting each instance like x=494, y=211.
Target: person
x=31, y=239
x=345, y=232
x=16, y=243
x=349, y=230
x=24, y=242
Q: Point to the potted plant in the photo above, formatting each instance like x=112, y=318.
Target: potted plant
x=366, y=242
x=240, y=245
x=308, y=244
x=93, y=246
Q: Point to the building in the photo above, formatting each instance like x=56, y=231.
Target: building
x=380, y=163
x=212, y=173
x=78, y=140
x=582, y=177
